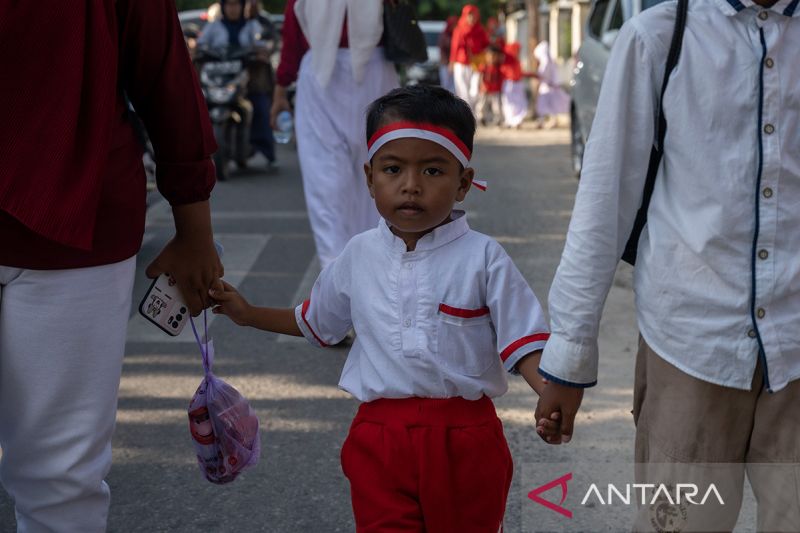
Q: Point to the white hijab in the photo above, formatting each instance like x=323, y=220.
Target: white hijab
x=321, y=22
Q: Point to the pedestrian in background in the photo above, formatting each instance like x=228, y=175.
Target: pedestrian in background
x=514, y=99
x=332, y=48
x=551, y=99
x=469, y=42
x=717, y=277
x=261, y=84
x=72, y=212
x=489, y=104
x=232, y=29
x=445, y=41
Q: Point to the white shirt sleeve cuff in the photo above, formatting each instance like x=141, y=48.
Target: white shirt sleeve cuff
x=569, y=363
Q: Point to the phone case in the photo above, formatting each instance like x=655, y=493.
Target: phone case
x=163, y=305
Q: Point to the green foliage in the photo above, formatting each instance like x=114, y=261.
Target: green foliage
x=441, y=9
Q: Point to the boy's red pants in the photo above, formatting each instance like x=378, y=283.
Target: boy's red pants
x=422, y=464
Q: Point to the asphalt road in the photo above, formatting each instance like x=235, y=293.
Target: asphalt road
x=269, y=254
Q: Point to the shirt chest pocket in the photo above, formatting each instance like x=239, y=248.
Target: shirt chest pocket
x=465, y=340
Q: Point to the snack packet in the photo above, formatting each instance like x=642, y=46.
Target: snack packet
x=223, y=426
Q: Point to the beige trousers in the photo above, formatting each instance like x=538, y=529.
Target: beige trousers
x=682, y=421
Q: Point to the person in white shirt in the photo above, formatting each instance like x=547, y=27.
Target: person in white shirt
x=717, y=277
x=441, y=314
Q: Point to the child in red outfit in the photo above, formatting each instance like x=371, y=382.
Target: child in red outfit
x=514, y=99
x=491, y=85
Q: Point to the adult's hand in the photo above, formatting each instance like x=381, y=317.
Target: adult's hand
x=190, y=257
x=559, y=399
x=280, y=102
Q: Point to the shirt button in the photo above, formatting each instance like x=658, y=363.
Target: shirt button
x=761, y=312
x=751, y=334
x=407, y=323
x=767, y=192
x=409, y=266
x=769, y=62
x=763, y=254
x=769, y=128
x=763, y=15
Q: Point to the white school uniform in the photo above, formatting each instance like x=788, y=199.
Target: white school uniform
x=445, y=320
x=515, y=102
x=334, y=88
x=331, y=145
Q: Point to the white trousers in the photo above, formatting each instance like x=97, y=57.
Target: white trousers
x=467, y=83
x=515, y=102
x=332, y=146
x=490, y=108
x=62, y=338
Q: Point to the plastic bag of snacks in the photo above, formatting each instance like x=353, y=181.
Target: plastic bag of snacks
x=224, y=427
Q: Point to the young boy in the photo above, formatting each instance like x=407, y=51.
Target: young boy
x=491, y=86
x=440, y=313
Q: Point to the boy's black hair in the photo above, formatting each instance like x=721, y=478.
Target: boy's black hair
x=424, y=103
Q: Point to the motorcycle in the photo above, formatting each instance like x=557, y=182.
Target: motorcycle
x=223, y=79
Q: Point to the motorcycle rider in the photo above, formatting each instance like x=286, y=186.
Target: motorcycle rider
x=233, y=30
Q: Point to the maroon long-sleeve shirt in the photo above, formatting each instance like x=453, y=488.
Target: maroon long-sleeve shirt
x=72, y=186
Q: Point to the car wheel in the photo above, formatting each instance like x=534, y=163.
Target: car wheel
x=577, y=143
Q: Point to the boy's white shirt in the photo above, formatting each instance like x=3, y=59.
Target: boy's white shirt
x=693, y=276
x=405, y=345
x=321, y=22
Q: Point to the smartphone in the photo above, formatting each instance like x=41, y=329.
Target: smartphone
x=163, y=305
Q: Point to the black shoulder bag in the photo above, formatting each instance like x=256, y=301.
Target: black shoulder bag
x=629, y=255
x=403, y=41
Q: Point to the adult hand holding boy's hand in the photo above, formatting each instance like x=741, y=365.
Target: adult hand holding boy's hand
x=558, y=400
x=230, y=303
x=190, y=257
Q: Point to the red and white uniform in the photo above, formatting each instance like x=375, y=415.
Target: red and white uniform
x=448, y=319
x=437, y=330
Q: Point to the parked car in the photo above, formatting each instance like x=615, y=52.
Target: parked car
x=602, y=26
x=427, y=72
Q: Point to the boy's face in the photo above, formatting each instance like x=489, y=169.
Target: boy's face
x=415, y=184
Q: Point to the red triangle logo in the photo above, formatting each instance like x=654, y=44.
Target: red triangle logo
x=559, y=482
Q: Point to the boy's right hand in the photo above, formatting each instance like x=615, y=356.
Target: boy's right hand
x=230, y=303
x=558, y=399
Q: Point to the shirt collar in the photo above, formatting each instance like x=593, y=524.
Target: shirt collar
x=440, y=236
x=783, y=7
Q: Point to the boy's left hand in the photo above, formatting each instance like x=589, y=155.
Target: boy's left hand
x=230, y=303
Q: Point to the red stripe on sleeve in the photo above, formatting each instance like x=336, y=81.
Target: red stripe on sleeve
x=303, y=314
x=517, y=344
x=463, y=313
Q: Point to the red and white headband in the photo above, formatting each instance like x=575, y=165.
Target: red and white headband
x=422, y=130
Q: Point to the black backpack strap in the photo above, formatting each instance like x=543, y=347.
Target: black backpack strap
x=629, y=255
